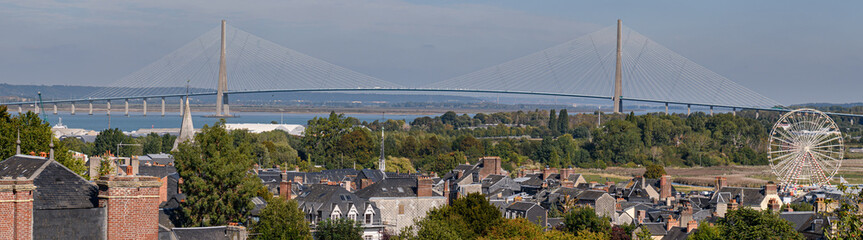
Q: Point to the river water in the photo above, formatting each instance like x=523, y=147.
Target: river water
x=135, y=121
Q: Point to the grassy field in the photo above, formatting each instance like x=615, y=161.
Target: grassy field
x=754, y=176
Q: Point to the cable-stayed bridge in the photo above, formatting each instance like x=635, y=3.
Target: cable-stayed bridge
x=614, y=63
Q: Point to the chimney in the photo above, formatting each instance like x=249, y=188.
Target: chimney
x=670, y=224
x=16, y=200
x=565, y=172
x=95, y=165
x=235, y=231
x=732, y=205
x=446, y=192
x=685, y=216
x=774, y=205
x=664, y=187
x=424, y=186
x=325, y=181
x=721, y=182
x=770, y=188
x=640, y=216
x=285, y=187
x=135, y=165
x=490, y=165
x=131, y=204
x=691, y=225
x=548, y=172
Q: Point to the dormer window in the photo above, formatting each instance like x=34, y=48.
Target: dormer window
x=369, y=215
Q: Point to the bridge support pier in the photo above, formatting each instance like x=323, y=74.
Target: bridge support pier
x=127, y=108
x=711, y=111
x=225, y=107
x=666, y=108
x=181, y=106
x=36, y=108
x=688, y=109
x=756, y=114
x=91, y=107
x=108, y=109
x=55, y=109
x=734, y=112
x=163, y=106
x=19, y=109
x=72, y=104
x=144, y=109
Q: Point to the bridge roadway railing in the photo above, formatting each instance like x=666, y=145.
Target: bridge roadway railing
x=666, y=102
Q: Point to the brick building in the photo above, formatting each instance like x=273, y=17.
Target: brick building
x=46, y=200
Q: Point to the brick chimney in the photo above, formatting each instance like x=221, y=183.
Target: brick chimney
x=285, y=187
x=732, y=205
x=640, y=216
x=16, y=208
x=424, y=186
x=490, y=165
x=548, y=172
x=664, y=187
x=770, y=188
x=567, y=183
x=670, y=224
x=691, y=225
x=132, y=206
x=774, y=205
x=566, y=172
x=720, y=183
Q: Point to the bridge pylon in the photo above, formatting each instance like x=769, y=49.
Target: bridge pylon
x=221, y=98
x=618, y=83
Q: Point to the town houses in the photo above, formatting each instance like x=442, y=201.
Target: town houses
x=140, y=196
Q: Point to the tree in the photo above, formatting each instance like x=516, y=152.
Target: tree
x=745, y=223
x=321, y=138
x=563, y=122
x=521, y=228
x=108, y=139
x=282, y=219
x=585, y=219
x=338, y=229
x=36, y=137
x=706, y=231
x=468, y=217
x=654, y=171
x=552, y=123
x=398, y=164
x=152, y=143
x=217, y=179
x=849, y=224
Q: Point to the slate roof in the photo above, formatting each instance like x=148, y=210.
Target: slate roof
x=656, y=229
x=676, y=233
x=744, y=196
x=325, y=198
x=21, y=166
x=521, y=206
x=58, y=187
x=215, y=233
x=156, y=171
x=390, y=187
x=591, y=195
x=799, y=220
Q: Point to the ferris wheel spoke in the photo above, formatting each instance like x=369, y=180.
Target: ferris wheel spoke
x=786, y=140
x=819, y=171
x=825, y=146
x=785, y=156
x=823, y=141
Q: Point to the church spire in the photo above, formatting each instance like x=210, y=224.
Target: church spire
x=187, y=130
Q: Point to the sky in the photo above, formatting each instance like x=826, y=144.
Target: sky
x=790, y=51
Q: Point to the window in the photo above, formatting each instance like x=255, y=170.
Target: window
x=352, y=216
x=401, y=208
x=367, y=237
x=369, y=218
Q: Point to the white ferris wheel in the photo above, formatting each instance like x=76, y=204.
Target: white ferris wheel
x=806, y=148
